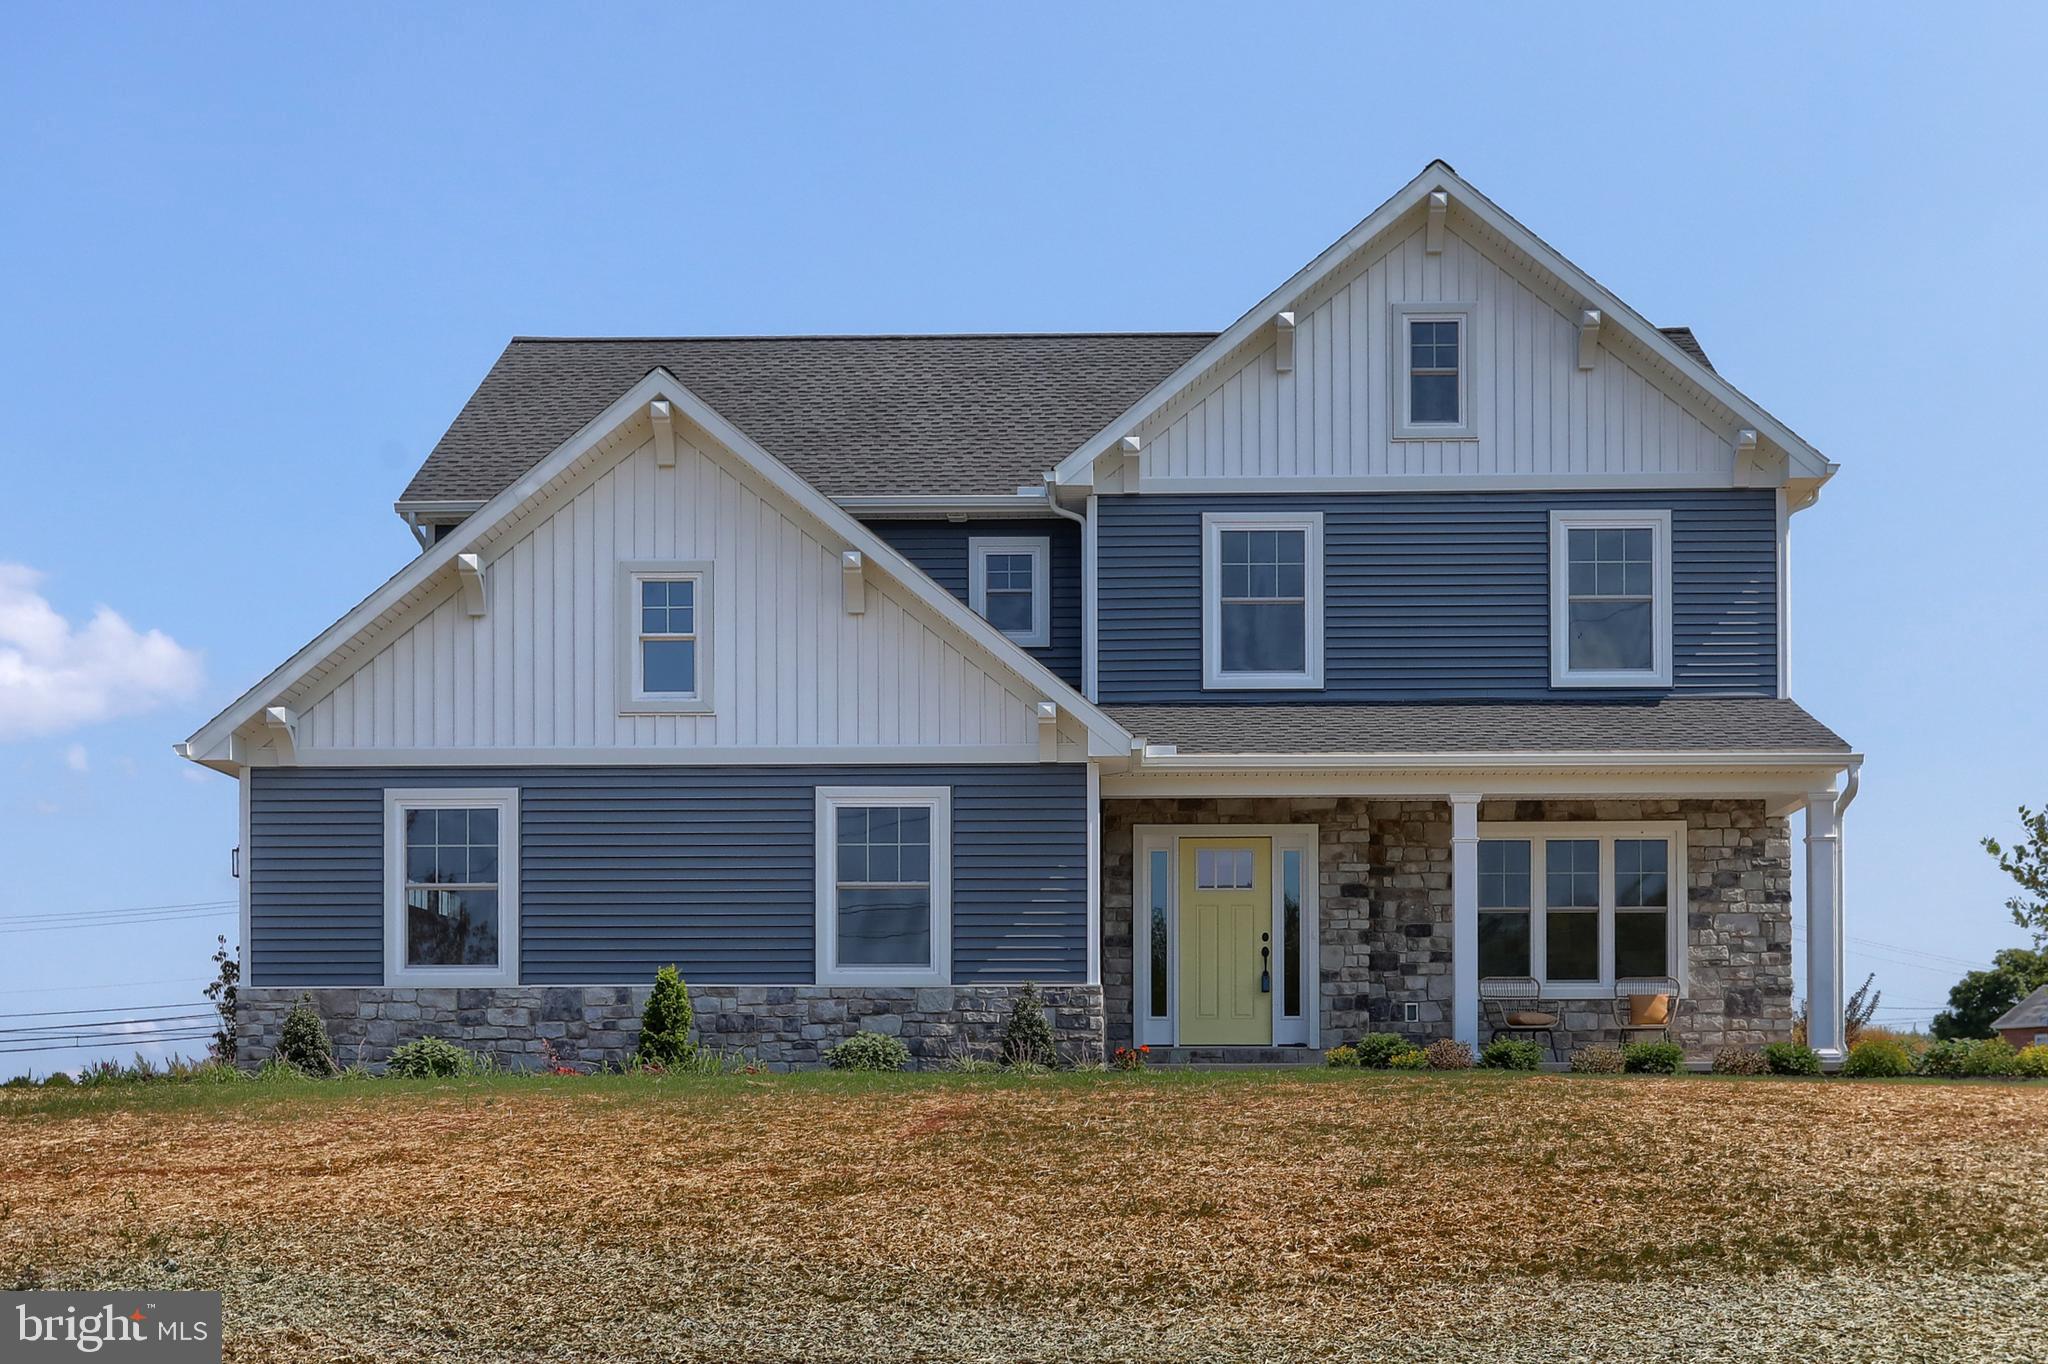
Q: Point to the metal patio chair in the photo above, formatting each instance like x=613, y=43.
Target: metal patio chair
x=1514, y=1006
x=1624, y=1021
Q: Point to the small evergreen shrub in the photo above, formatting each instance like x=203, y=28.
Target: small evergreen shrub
x=1512, y=1053
x=1414, y=1058
x=2032, y=1062
x=1343, y=1058
x=1447, y=1053
x=1992, y=1056
x=868, y=1051
x=1740, y=1061
x=1027, y=1037
x=58, y=1079
x=1597, y=1061
x=1944, y=1058
x=429, y=1058
x=1377, y=1050
x=665, y=1022
x=302, y=1042
x=1792, y=1058
x=1652, y=1058
x=1877, y=1058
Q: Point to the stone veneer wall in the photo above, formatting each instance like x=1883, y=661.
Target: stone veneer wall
x=780, y=1026
x=1386, y=911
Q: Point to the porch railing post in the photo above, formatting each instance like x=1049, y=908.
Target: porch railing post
x=1823, y=926
x=1465, y=918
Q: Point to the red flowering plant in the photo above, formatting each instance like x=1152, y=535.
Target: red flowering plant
x=1130, y=1058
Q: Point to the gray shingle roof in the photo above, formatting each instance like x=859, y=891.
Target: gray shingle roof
x=1683, y=338
x=852, y=414
x=1674, y=723
x=2031, y=1012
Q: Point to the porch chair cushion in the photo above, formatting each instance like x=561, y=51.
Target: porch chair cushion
x=1531, y=1018
x=1649, y=1011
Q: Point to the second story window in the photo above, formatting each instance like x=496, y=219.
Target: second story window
x=1610, y=599
x=1432, y=350
x=1009, y=584
x=664, y=660
x=1262, y=609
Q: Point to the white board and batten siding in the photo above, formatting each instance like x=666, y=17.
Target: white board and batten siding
x=1535, y=414
x=790, y=668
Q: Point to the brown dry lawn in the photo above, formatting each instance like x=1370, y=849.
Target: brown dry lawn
x=1188, y=1216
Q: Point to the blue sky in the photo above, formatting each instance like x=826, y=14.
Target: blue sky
x=257, y=256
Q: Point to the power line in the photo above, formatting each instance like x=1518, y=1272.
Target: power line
x=103, y=985
x=198, y=1036
x=125, y=909
x=179, y=917
x=103, y=1009
x=101, y=1024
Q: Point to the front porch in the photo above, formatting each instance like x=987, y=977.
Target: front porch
x=1382, y=919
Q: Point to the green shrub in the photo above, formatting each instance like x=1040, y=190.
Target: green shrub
x=1447, y=1053
x=1992, y=1056
x=1597, y=1061
x=1414, y=1058
x=302, y=1042
x=1652, y=1058
x=429, y=1058
x=1740, y=1061
x=1792, y=1058
x=665, y=1022
x=868, y=1051
x=1377, y=1050
x=1944, y=1058
x=58, y=1079
x=1512, y=1053
x=1877, y=1058
x=2032, y=1062
x=1344, y=1058
x=1027, y=1037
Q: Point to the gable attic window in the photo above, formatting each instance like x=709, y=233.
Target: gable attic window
x=664, y=630
x=1009, y=586
x=1610, y=598
x=1431, y=346
x=1262, y=600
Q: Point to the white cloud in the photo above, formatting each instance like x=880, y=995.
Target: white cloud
x=75, y=759
x=56, y=676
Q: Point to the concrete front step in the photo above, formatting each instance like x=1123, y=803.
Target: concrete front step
x=1236, y=1056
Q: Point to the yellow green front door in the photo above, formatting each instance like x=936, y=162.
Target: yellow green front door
x=1226, y=922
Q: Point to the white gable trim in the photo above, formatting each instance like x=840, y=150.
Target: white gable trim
x=213, y=744
x=1077, y=469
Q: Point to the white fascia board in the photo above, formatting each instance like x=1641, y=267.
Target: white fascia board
x=1105, y=735
x=1077, y=467
x=980, y=504
x=435, y=509
x=1718, y=760
x=1783, y=779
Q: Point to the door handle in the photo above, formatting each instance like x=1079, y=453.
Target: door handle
x=1265, y=964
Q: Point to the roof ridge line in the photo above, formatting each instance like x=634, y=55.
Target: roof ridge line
x=858, y=336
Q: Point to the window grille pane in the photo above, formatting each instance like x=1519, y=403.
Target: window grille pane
x=668, y=666
x=1641, y=873
x=1573, y=874
x=885, y=926
x=1263, y=637
x=1008, y=611
x=1504, y=873
x=1610, y=635
x=1504, y=944
x=451, y=927
x=1572, y=945
x=1642, y=943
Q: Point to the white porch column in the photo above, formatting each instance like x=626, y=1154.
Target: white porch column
x=1465, y=918
x=1823, y=926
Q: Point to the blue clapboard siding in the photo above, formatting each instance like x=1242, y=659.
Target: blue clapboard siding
x=624, y=869
x=940, y=549
x=1437, y=596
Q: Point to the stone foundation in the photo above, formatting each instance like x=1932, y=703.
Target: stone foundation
x=779, y=1026
x=1385, y=934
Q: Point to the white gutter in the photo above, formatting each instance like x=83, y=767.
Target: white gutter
x=1161, y=758
x=1052, y=501
x=1850, y=787
x=1023, y=502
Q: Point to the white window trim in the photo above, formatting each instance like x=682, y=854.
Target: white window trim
x=1677, y=896
x=632, y=699
x=1213, y=526
x=1562, y=523
x=1402, y=427
x=939, y=800
x=397, y=800
x=979, y=547
x=1306, y=839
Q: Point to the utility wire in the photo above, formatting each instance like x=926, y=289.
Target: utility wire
x=125, y=909
x=104, y=1009
x=117, y=923
x=110, y=1025
x=103, y=985
x=196, y=1036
